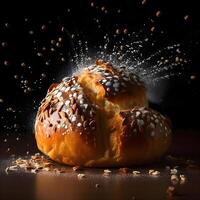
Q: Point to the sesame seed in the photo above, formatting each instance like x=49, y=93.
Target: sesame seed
x=91, y=113
x=63, y=89
x=73, y=119
x=85, y=106
x=108, y=89
x=84, y=123
x=116, y=85
x=109, y=77
x=68, y=111
x=67, y=89
x=75, y=95
x=72, y=100
x=59, y=94
x=79, y=124
x=91, y=67
x=66, y=79
x=140, y=122
x=125, y=78
x=55, y=92
x=73, y=88
x=152, y=125
x=67, y=102
x=154, y=115
x=137, y=114
x=108, y=84
x=81, y=101
x=80, y=96
x=82, y=117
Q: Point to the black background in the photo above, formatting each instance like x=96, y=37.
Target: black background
x=22, y=25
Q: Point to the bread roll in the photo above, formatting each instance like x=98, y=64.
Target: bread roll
x=99, y=117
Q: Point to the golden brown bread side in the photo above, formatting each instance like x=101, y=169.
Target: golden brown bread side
x=100, y=117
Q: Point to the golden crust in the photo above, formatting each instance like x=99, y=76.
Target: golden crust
x=99, y=117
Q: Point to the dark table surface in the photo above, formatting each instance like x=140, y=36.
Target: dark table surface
x=22, y=184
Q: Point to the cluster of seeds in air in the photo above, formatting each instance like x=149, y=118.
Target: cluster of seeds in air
x=69, y=106
x=114, y=81
x=145, y=120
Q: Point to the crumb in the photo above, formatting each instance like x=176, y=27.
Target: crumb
x=81, y=176
x=76, y=168
x=158, y=13
x=153, y=29
x=154, y=172
x=6, y=170
x=34, y=164
x=34, y=171
x=151, y=171
x=118, y=31
x=186, y=17
x=182, y=178
x=173, y=171
x=170, y=191
x=125, y=31
x=192, y=77
x=13, y=168
x=144, y=2
x=135, y=173
x=107, y=171
x=174, y=179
